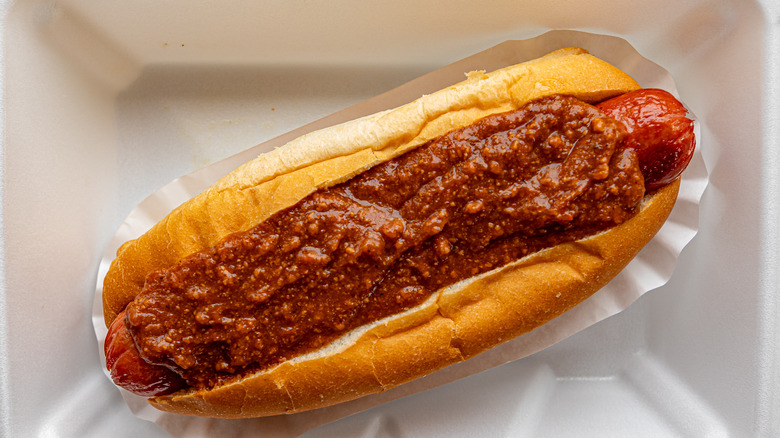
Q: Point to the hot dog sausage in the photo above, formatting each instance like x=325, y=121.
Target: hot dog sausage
x=130, y=371
x=656, y=129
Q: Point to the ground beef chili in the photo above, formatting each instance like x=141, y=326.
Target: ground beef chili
x=465, y=203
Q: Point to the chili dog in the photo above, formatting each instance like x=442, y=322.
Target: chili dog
x=376, y=252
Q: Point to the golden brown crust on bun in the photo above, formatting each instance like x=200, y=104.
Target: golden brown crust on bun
x=457, y=322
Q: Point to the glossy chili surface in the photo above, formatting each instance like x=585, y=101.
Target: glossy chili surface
x=468, y=202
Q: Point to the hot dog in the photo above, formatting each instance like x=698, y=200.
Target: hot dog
x=447, y=226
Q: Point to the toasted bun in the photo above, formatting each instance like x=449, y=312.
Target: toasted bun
x=457, y=322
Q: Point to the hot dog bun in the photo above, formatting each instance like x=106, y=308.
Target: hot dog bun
x=457, y=322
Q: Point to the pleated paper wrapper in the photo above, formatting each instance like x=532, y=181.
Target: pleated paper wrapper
x=649, y=270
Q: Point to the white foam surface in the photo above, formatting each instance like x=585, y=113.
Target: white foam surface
x=103, y=103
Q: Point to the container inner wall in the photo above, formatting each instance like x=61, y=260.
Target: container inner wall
x=104, y=103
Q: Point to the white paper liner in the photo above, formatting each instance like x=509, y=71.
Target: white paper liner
x=649, y=270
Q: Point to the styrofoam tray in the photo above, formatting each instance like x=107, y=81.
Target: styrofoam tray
x=104, y=103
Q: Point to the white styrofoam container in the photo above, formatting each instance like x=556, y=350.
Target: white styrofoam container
x=104, y=102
